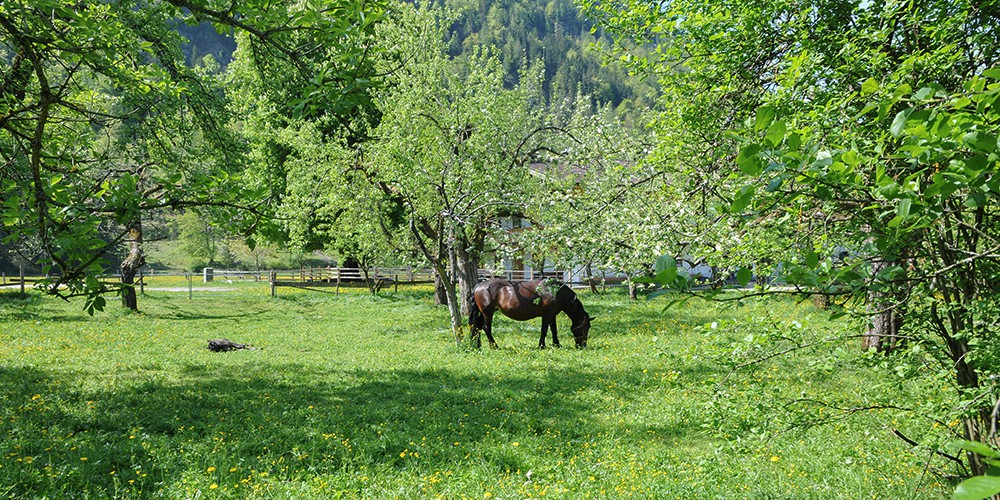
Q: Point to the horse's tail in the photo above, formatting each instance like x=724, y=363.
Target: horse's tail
x=476, y=319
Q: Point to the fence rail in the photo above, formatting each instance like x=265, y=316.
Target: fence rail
x=319, y=277
x=379, y=278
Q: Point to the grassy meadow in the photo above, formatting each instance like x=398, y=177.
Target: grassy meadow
x=354, y=396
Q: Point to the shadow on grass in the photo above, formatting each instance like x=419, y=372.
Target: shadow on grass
x=175, y=310
x=31, y=306
x=16, y=297
x=154, y=433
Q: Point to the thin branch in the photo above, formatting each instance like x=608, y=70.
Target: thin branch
x=913, y=443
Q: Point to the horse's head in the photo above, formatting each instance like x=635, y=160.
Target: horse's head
x=581, y=330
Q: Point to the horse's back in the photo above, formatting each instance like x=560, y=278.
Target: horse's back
x=494, y=288
x=485, y=293
x=517, y=300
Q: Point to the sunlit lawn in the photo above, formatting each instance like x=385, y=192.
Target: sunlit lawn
x=356, y=396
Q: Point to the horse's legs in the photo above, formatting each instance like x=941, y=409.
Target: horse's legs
x=488, y=328
x=555, y=338
x=475, y=324
x=546, y=321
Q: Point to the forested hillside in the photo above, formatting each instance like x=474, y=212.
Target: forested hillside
x=554, y=34
x=526, y=33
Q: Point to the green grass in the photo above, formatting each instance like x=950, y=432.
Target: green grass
x=357, y=396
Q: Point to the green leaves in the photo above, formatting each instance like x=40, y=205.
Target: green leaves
x=744, y=275
x=812, y=260
x=667, y=275
x=665, y=269
x=765, y=117
x=983, y=141
x=131, y=128
x=869, y=138
x=902, y=212
x=870, y=86
x=979, y=487
x=899, y=122
x=743, y=198
x=749, y=161
x=776, y=133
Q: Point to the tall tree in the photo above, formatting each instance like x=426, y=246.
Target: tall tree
x=870, y=127
x=78, y=74
x=454, y=150
x=599, y=200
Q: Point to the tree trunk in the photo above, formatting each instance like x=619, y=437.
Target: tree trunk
x=454, y=309
x=455, y=312
x=443, y=282
x=883, y=332
x=466, y=270
x=633, y=293
x=368, y=281
x=591, y=281
x=886, y=320
x=130, y=266
x=440, y=293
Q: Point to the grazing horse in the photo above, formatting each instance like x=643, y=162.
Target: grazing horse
x=526, y=300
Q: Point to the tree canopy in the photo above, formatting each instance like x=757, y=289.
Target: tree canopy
x=850, y=148
x=102, y=121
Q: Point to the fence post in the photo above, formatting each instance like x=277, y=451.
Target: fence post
x=338, y=280
x=142, y=283
x=272, y=276
x=21, y=272
x=190, y=279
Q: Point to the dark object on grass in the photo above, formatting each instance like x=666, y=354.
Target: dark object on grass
x=223, y=345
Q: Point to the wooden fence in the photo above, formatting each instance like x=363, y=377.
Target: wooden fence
x=380, y=278
x=19, y=280
x=323, y=277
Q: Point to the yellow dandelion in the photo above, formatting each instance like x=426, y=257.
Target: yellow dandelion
x=211, y=469
x=775, y=458
x=515, y=443
x=83, y=459
x=233, y=469
x=213, y=486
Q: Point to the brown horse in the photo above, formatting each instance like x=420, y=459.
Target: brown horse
x=526, y=300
